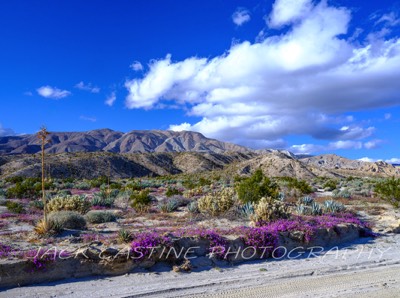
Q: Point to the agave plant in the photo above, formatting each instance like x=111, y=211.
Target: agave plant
x=301, y=209
x=306, y=200
x=193, y=207
x=247, y=210
x=316, y=208
x=333, y=207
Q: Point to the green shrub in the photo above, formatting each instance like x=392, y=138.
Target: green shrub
x=330, y=185
x=67, y=220
x=83, y=186
x=172, y=192
x=140, y=199
x=389, y=191
x=252, y=189
x=64, y=193
x=217, y=202
x=167, y=206
x=15, y=207
x=100, y=216
x=38, y=204
x=70, y=203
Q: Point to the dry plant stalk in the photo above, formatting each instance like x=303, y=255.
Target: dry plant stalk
x=42, y=135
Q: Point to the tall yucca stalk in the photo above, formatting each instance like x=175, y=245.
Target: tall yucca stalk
x=42, y=135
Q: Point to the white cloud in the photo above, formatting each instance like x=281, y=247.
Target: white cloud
x=241, y=16
x=111, y=99
x=136, y=66
x=367, y=159
x=52, y=92
x=288, y=11
x=87, y=87
x=390, y=19
x=87, y=118
x=393, y=160
x=372, y=144
x=299, y=82
x=6, y=131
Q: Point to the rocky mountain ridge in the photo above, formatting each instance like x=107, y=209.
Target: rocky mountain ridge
x=117, y=142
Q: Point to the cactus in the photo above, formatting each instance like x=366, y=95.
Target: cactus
x=269, y=209
x=217, y=202
x=69, y=203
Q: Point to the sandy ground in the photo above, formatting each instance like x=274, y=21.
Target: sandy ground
x=368, y=268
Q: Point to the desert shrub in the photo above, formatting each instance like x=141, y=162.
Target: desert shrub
x=67, y=220
x=38, y=204
x=217, y=202
x=15, y=207
x=123, y=198
x=203, y=181
x=252, y=189
x=15, y=179
x=64, y=193
x=172, y=191
x=345, y=193
x=299, y=186
x=389, y=191
x=193, y=207
x=69, y=203
x=124, y=236
x=169, y=205
x=83, y=185
x=2, y=193
x=23, y=189
x=189, y=184
x=140, y=199
x=51, y=228
x=269, y=209
x=194, y=192
x=104, y=198
x=100, y=216
x=98, y=181
x=330, y=185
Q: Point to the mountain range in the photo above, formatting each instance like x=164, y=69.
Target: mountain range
x=152, y=153
x=117, y=142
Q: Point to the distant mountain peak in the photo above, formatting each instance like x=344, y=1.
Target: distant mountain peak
x=106, y=139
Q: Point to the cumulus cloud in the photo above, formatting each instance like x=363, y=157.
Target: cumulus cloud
x=87, y=87
x=136, y=66
x=111, y=99
x=6, y=131
x=241, y=16
x=367, y=159
x=301, y=81
x=52, y=92
x=393, y=160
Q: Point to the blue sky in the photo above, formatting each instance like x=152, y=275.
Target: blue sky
x=308, y=76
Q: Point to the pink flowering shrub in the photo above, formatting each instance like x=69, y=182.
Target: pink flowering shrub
x=144, y=242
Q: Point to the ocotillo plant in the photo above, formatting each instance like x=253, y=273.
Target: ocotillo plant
x=42, y=135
